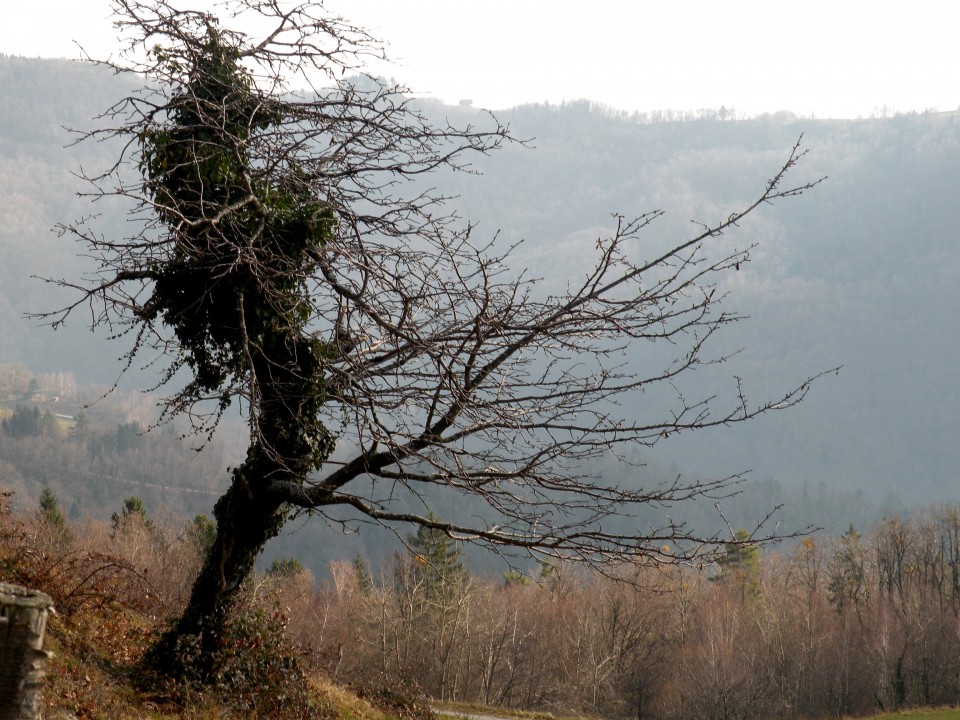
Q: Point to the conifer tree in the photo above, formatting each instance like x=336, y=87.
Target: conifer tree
x=50, y=509
x=847, y=571
x=52, y=518
x=437, y=563
x=740, y=564
x=362, y=573
x=132, y=512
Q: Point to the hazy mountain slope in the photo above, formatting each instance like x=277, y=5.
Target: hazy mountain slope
x=38, y=191
x=863, y=272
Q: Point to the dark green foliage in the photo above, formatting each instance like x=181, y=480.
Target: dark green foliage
x=436, y=554
x=81, y=426
x=549, y=575
x=255, y=669
x=234, y=286
x=203, y=531
x=49, y=511
x=433, y=572
x=32, y=389
x=513, y=578
x=362, y=573
x=848, y=572
x=49, y=507
x=133, y=513
x=244, y=240
x=287, y=567
x=49, y=425
x=52, y=522
x=24, y=422
x=740, y=564
x=128, y=436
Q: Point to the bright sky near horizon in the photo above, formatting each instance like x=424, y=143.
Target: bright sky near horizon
x=830, y=58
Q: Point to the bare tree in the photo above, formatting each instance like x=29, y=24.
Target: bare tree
x=285, y=262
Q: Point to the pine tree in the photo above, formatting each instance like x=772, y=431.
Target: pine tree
x=740, y=565
x=432, y=573
x=133, y=511
x=362, y=572
x=23, y=422
x=286, y=567
x=51, y=517
x=438, y=560
x=847, y=571
x=50, y=509
x=202, y=531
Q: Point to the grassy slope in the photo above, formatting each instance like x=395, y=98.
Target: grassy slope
x=92, y=670
x=108, y=613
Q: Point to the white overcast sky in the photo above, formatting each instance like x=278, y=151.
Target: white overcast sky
x=831, y=58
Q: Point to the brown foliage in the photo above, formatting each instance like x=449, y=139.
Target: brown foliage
x=835, y=626
x=648, y=641
x=112, y=589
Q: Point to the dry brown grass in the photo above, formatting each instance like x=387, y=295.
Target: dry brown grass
x=113, y=590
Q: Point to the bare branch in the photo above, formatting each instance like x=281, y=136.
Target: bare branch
x=284, y=259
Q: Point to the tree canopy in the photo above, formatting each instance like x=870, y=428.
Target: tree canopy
x=286, y=261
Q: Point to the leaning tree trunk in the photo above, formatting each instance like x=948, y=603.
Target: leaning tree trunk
x=290, y=442
x=246, y=520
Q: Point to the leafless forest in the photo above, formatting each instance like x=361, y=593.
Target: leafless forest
x=830, y=626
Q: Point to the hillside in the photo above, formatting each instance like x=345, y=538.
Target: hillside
x=842, y=625
x=861, y=272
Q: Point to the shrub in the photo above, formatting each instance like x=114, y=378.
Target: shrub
x=397, y=699
x=257, y=670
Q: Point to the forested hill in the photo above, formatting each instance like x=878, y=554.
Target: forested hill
x=862, y=272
